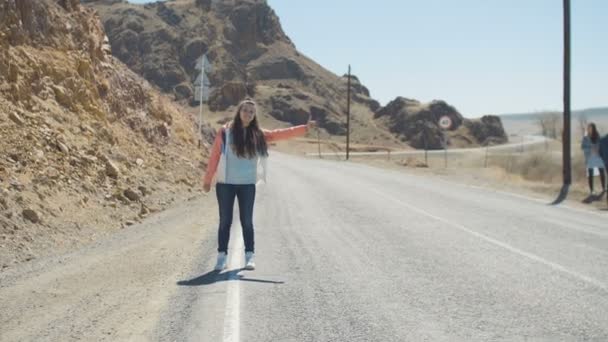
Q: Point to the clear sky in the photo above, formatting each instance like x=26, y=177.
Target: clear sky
x=481, y=56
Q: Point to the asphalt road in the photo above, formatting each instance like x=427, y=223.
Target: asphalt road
x=344, y=252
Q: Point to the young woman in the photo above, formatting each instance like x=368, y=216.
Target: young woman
x=590, y=146
x=235, y=162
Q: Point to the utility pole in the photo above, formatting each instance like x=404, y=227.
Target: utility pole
x=348, y=114
x=566, y=145
x=200, y=99
x=203, y=95
x=566, y=134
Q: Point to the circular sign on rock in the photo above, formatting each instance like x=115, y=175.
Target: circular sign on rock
x=445, y=122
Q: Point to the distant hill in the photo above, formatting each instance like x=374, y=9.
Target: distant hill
x=252, y=55
x=600, y=112
x=527, y=123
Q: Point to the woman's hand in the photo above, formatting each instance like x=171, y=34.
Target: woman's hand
x=311, y=124
x=206, y=187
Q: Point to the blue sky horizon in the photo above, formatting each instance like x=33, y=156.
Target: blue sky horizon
x=482, y=57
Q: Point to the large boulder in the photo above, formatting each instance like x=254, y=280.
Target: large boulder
x=229, y=94
x=488, y=130
x=403, y=112
x=418, y=124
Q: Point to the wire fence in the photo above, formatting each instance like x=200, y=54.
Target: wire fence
x=538, y=160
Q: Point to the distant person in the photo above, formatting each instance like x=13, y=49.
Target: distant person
x=591, y=148
x=237, y=161
x=604, y=153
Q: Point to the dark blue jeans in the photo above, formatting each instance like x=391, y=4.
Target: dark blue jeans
x=225, y=199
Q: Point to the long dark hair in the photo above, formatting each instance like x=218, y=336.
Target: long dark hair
x=594, y=134
x=249, y=141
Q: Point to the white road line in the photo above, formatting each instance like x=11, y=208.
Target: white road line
x=541, y=201
x=526, y=197
x=569, y=226
x=232, y=324
x=506, y=246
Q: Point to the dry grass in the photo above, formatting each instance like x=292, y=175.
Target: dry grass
x=537, y=171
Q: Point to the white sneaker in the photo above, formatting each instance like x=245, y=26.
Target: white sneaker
x=221, y=261
x=249, y=262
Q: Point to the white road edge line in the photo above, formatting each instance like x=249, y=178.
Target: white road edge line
x=232, y=324
x=535, y=199
x=506, y=246
x=541, y=201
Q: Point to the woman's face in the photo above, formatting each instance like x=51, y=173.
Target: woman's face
x=589, y=129
x=247, y=114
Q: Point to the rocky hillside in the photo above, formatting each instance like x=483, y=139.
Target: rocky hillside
x=252, y=55
x=87, y=145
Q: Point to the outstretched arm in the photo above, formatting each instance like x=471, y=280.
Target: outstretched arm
x=287, y=133
x=214, y=159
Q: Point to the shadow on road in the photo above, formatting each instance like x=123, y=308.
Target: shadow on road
x=563, y=193
x=212, y=277
x=593, y=198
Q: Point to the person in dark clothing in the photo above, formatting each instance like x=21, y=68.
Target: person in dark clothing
x=604, y=152
x=591, y=148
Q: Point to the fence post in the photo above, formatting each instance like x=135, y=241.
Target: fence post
x=485, y=163
x=445, y=148
x=426, y=159
x=319, y=141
